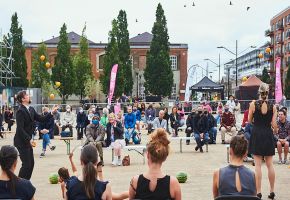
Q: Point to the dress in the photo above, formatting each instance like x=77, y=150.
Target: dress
x=262, y=139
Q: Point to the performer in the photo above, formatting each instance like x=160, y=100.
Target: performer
x=25, y=117
x=263, y=115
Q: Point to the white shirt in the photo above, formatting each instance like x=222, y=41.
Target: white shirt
x=231, y=104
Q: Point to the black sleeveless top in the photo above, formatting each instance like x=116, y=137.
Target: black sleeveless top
x=161, y=192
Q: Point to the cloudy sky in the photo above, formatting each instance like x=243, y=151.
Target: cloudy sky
x=208, y=24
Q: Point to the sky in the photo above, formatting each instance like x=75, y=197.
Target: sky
x=208, y=24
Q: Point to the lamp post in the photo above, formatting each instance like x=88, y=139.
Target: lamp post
x=219, y=65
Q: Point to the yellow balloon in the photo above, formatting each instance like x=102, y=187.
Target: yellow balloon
x=47, y=65
x=268, y=50
x=57, y=83
x=244, y=79
x=260, y=55
x=42, y=57
x=51, y=96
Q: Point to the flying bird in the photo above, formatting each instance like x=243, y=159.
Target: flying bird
x=231, y=3
x=193, y=4
x=248, y=8
x=136, y=20
x=184, y=6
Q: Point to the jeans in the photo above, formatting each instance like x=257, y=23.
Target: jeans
x=68, y=126
x=212, y=133
x=27, y=159
x=198, y=140
x=128, y=133
x=218, y=119
x=80, y=131
x=45, y=141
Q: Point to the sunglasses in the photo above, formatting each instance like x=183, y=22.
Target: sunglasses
x=264, y=93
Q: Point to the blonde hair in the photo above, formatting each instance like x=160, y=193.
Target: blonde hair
x=264, y=87
x=112, y=115
x=45, y=108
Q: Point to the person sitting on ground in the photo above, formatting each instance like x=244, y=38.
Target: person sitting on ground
x=154, y=184
x=104, y=119
x=12, y=187
x=129, y=123
x=138, y=117
x=68, y=120
x=180, y=111
x=115, y=138
x=174, y=121
x=219, y=111
x=212, y=130
x=283, y=136
x=235, y=179
x=46, y=129
x=228, y=123
x=287, y=116
x=159, y=122
x=81, y=123
x=8, y=117
x=87, y=185
x=150, y=116
x=200, y=129
x=189, y=121
x=95, y=134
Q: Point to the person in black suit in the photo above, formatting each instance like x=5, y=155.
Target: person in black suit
x=25, y=117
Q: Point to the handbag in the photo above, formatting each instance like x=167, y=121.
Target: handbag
x=126, y=160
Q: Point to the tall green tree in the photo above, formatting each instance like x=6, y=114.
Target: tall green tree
x=82, y=65
x=39, y=73
x=158, y=74
x=265, y=76
x=112, y=57
x=63, y=69
x=19, y=65
x=124, y=51
x=287, y=83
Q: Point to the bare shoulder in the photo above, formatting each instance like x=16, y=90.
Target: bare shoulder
x=173, y=180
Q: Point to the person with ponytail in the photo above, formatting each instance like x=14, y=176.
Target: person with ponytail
x=87, y=186
x=12, y=187
x=235, y=179
x=154, y=184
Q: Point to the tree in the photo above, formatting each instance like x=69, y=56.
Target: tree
x=111, y=58
x=39, y=73
x=158, y=74
x=82, y=65
x=124, y=51
x=63, y=69
x=287, y=83
x=265, y=76
x=18, y=54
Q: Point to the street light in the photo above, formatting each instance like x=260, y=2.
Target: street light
x=235, y=54
x=219, y=65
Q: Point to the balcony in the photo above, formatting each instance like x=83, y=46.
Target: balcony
x=280, y=27
x=269, y=33
x=268, y=58
x=279, y=41
x=269, y=44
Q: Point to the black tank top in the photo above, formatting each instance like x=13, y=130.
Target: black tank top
x=261, y=119
x=161, y=192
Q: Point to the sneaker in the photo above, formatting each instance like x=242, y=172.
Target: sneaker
x=196, y=148
x=52, y=148
x=119, y=162
x=42, y=155
x=201, y=150
x=280, y=162
x=115, y=162
x=223, y=142
x=285, y=161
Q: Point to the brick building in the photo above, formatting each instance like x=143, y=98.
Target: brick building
x=280, y=41
x=139, y=45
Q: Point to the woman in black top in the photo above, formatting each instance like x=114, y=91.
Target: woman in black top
x=155, y=185
x=87, y=186
x=10, y=185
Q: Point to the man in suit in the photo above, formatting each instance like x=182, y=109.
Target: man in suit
x=25, y=117
x=159, y=122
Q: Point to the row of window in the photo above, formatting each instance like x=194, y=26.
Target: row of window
x=281, y=22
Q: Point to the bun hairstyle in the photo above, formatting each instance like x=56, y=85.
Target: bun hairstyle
x=158, y=146
x=239, y=145
x=89, y=158
x=8, y=156
x=264, y=91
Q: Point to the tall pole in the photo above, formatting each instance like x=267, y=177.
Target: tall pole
x=236, y=63
x=219, y=68
x=228, y=81
x=207, y=69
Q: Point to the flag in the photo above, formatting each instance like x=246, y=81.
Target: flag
x=112, y=83
x=278, y=87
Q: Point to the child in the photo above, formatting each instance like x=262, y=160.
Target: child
x=143, y=120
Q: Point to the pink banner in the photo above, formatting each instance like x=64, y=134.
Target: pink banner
x=278, y=87
x=112, y=83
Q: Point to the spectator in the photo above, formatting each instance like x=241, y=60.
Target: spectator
x=120, y=118
x=283, y=136
x=212, y=130
x=88, y=186
x=115, y=138
x=143, y=107
x=138, y=117
x=8, y=117
x=95, y=134
x=200, y=129
x=180, y=111
x=235, y=179
x=237, y=112
x=160, y=122
x=231, y=103
x=245, y=119
x=1, y=125
x=57, y=128
x=68, y=120
x=12, y=187
x=143, y=120
x=129, y=123
x=46, y=129
x=174, y=121
x=228, y=123
x=219, y=111
x=90, y=116
x=206, y=105
x=287, y=116
x=154, y=184
x=150, y=116
x=81, y=123
x=189, y=121
x=104, y=119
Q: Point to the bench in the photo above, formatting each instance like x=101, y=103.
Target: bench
x=67, y=142
x=186, y=138
x=140, y=149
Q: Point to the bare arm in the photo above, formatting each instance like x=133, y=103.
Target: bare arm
x=74, y=169
x=251, y=111
x=107, y=194
x=175, y=190
x=274, y=118
x=133, y=187
x=215, y=183
x=62, y=186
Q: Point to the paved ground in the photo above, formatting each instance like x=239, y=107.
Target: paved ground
x=199, y=167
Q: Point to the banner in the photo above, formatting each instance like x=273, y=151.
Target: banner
x=112, y=83
x=278, y=87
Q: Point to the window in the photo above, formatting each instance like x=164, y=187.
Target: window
x=173, y=91
x=101, y=62
x=173, y=60
x=131, y=60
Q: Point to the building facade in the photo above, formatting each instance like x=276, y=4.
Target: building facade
x=139, y=45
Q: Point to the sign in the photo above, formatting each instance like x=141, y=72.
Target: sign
x=278, y=87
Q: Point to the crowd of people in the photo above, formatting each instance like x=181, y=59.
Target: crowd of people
x=264, y=127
